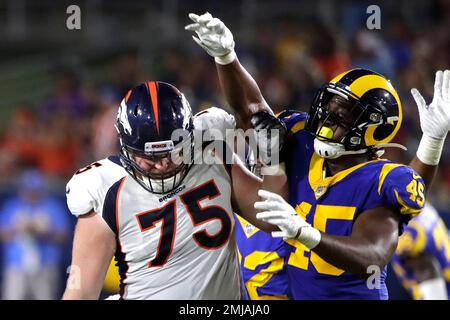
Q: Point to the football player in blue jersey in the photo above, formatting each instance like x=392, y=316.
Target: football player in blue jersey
x=262, y=262
x=346, y=205
x=422, y=259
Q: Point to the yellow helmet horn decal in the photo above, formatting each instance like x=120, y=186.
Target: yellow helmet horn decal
x=365, y=83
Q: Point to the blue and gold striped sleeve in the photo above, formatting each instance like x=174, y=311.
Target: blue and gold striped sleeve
x=294, y=120
x=406, y=278
x=413, y=240
x=262, y=262
x=403, y=188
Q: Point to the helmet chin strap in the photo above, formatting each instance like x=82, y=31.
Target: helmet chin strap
x=330, y=150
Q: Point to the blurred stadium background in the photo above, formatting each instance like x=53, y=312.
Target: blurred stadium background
x=60, y=89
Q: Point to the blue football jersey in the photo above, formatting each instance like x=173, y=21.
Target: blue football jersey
x=262, y=261
x=332, y=205
x=425, y=234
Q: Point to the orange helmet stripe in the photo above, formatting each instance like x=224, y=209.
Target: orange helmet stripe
x=153, y=90
x=127, y=96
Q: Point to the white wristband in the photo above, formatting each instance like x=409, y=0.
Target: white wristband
x=309, y=236
x=430, y=150
x=226, y=59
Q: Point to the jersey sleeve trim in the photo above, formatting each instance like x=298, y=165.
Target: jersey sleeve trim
x=294, y=120
x=406, y=209
x=387, y=168
x=115, y=159
x=298, y=126
x=110, y=212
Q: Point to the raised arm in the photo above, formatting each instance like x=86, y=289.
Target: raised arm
x=435, y=124
x=241, y=91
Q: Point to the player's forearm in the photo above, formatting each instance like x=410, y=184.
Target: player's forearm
x=241, y=92
x=94, y=245
x=245, y=209
x=78, y=294
x=353, y=255
x=85, y=281
x=277, y=184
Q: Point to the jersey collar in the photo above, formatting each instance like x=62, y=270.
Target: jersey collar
x=320, y=185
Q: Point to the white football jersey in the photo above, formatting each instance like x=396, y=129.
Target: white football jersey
x=87, y=189
x=178, y=245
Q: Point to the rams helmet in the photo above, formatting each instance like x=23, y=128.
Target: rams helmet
x=376, y=114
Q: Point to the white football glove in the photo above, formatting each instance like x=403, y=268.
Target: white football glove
x=213, y=36
x=277, y=211
x=215, y=120
x=434, y=119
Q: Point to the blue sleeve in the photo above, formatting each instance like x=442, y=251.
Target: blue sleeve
x=403, y=189
x=262, y=262
x=294, y=120
x=413, y=240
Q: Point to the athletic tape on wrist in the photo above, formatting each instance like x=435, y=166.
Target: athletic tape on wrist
x=226, y=59
x=309, y=236
x=430, y=150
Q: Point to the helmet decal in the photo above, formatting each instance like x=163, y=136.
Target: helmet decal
x=370, y=136
x=122, y=117
x=152, y=88
x=373, y=107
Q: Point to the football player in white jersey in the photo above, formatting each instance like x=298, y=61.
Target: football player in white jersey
x=170, y=225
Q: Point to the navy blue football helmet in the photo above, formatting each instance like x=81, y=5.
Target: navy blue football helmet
x=147, y=118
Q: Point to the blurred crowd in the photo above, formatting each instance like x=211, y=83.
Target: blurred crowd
x=290, y=58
